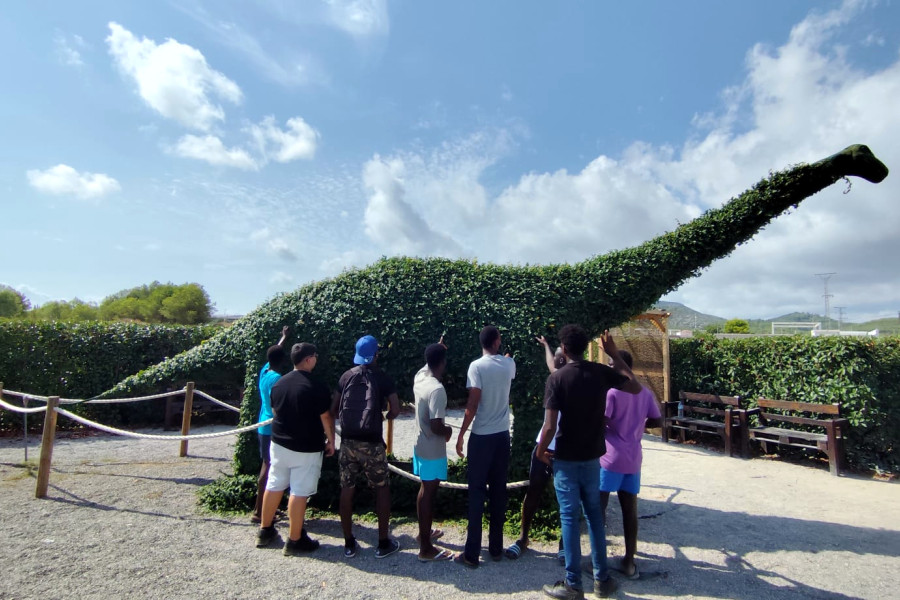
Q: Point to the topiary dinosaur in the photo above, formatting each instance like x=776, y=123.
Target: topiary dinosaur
x=408, y=303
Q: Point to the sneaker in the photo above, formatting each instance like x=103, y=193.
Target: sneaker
x=603, y=589
x=387, y=549
x=350, y=548
x=563, y=591
x=296, y=548
x=265, y=535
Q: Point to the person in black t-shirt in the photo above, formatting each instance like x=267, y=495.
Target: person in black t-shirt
x=576, y=395
x=302, y=430
x=363, y=451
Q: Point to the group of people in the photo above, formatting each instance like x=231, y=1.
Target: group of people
x=589, y=445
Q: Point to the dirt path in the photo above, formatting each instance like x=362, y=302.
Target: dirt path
x=121, y=521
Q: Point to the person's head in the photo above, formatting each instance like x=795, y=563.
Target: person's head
x=304, y=356
x=559, y=358
x=574, y=341
x=490, y=339
x=276, y=358
x=366, y=350
x=625, y=355
x=436, y=358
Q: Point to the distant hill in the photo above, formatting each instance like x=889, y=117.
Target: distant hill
x=684, y=317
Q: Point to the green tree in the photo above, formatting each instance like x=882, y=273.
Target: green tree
x=185, y=304
x=713, y=328
x=737, y=326
x=59, y=310
x=13, y=303
x=188, y=305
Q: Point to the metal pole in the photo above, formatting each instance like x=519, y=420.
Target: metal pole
x=25, y=427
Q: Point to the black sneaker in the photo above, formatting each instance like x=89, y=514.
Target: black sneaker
x=350, y=548
x=563, y=591
x=304, y=544
x=265, y=535
x=605, y=588
x=383, y=551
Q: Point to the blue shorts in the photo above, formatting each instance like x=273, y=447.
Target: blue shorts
x=610, y=481
x=430, y=469
x=264, y=442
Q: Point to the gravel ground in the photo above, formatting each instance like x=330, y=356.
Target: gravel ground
x=121, y=520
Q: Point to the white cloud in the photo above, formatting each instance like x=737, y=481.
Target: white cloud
x=67, y=49
x=296, y=142
x=274, y=244
x=281, y=278
x=173, y=78
x=210, y=148
x=800, y=101
x=360, y=18
x=392, y=222
x=64, y=180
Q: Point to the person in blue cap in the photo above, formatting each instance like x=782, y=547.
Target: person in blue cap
x=364, y=393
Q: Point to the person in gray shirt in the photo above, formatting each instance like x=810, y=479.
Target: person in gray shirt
x=487, y=411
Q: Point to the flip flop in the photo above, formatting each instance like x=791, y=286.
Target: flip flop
x=515, y=550
x=620, y=567
x=442, y=555
x=436, y=534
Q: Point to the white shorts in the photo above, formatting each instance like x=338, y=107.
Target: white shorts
x=299, y=470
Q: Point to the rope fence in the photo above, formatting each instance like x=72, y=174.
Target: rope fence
x=52, y=408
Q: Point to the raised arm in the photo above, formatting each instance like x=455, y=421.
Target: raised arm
x=548, y=354
x=285, y=331
x=609, y=346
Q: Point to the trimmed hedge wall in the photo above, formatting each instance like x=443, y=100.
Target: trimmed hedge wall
x=862, y=374
x=81, y=360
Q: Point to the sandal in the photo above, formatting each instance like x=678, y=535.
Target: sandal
x=515, y=550
x=461, y=559
x=441, y=556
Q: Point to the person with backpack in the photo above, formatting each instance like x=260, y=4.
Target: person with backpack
x=364, y=392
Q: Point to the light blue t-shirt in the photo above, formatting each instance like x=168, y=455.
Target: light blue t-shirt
x=493, y=375
x=267, y=378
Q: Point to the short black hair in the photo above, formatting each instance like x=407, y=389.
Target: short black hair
x=488, y=336
x=626, y=356
x=575, y=339
x=435, y=354
x=301, y=351
x=275, y=356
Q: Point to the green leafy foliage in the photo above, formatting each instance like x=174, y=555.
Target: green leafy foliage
x=186, y=304
x=862, y=374
x=80, y=360
x=73, y=311
x=408, y=303
x=13, y=303
x=737, y=326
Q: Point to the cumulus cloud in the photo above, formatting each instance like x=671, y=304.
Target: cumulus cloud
x=210, y=148
x=67, y=49
x=63, y=180
x=297, y=141
x=392, y=222
x=799, y=101
x=174, y=79
x=273, y=244
x=360, y=18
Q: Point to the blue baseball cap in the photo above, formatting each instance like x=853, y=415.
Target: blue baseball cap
x=366, y=348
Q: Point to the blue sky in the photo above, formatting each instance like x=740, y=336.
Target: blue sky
x=253, y=147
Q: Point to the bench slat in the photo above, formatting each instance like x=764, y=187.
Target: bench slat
x=795, y=420
x=710, y=398
x=822, y=409
x=777, y=432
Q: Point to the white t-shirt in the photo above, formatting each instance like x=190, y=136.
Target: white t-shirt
x=493, y=375
x=431, y=403
x=552, y=446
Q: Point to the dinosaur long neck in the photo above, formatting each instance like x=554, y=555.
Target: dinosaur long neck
x=638, y=277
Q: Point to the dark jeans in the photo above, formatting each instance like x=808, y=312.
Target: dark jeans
x=488, y=465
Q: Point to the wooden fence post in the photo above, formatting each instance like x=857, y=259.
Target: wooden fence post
x=49, y=436
x=186, y=415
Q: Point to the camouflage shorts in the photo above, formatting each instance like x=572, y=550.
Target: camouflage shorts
x=359, y=458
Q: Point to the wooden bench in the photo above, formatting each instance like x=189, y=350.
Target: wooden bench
x=769, y=431
x=706, y=413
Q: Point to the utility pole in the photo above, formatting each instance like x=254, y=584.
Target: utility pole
x=840, y=310
x=825, y=277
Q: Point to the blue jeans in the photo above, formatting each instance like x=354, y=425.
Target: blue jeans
x=488, y=465
x=577, y=486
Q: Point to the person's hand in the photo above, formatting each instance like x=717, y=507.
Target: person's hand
x=449, y=432
x=459, y=446
x=607, y=344
x=545, y=457
x=329, y=448
x=285, y=331
x=542, y=341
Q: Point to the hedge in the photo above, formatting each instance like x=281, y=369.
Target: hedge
x=862, y=374
x=408, y=303
x=81, y=360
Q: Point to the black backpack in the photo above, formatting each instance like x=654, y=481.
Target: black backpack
x=359, y=412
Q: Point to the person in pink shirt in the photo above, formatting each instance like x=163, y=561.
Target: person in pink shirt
x=627, y=415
